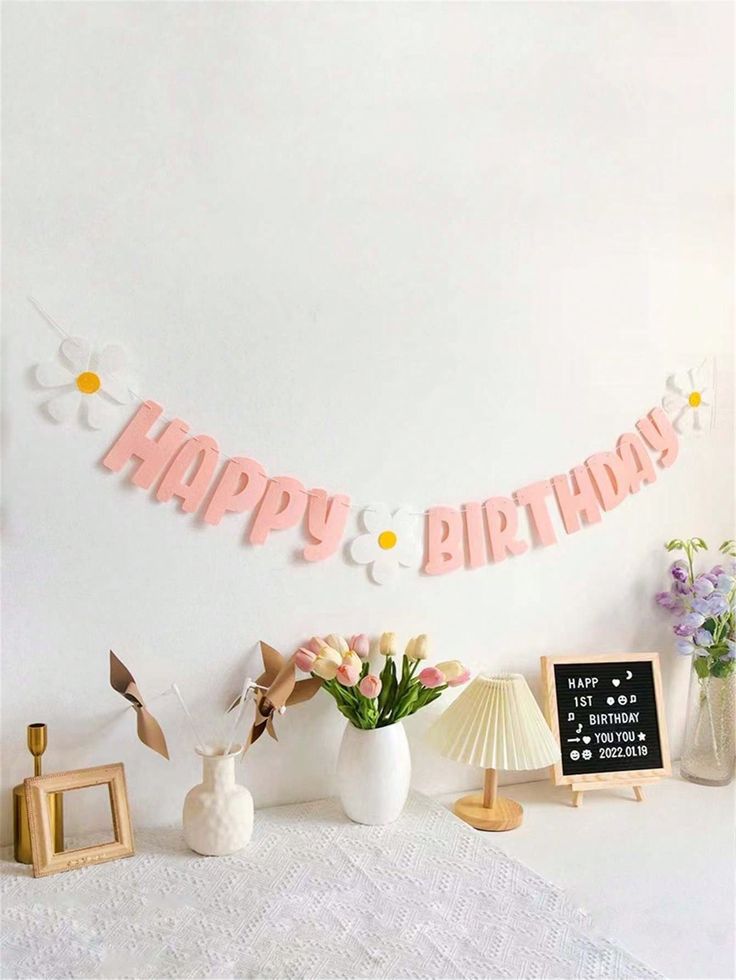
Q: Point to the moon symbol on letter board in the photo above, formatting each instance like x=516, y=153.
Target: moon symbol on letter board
x=629, y=675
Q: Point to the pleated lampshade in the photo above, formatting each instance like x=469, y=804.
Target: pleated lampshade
x=495, y=724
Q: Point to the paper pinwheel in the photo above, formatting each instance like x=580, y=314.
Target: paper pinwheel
x=149, y=730
x=280, y=690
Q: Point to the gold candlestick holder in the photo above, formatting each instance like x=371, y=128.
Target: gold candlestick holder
x=37, y=737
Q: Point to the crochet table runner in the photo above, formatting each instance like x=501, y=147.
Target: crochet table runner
x=312, y=896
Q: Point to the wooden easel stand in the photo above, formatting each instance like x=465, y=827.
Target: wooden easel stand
x=579, y=788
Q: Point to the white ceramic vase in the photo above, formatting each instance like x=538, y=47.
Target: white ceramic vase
x=218, y=813
x=374, y=773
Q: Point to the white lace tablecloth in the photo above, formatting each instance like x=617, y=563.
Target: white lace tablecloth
x=313, y=895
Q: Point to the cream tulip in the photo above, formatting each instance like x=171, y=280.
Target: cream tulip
x=417, y=648
x=388, y=644
x=352, y=659
x=451, y=669
x=326, y=664
x=455, y=672
x=337, y=642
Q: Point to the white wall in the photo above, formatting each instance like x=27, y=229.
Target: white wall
x=417, y=253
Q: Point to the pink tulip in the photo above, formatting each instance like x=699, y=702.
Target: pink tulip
x=460, y=679
x=431, y=677
x=361, y=645
x=370, y=686
x=315, y=645
x=304, y=659
x=347, y=674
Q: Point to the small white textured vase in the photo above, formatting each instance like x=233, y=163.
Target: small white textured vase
x=374, y=773
x=218, y=813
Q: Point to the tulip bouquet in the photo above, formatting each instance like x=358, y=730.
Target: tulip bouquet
x=705, y=605
x=376, y=700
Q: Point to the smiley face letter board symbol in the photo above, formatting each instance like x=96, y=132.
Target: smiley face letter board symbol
x=608, y=716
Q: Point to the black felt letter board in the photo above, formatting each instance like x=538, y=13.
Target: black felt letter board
x=607, y=714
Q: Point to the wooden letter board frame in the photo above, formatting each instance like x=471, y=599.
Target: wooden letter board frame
x=583, y=782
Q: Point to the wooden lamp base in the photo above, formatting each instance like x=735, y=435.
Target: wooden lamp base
x=486, y=810
x=503, y=815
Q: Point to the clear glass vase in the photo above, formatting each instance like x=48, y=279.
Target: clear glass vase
x=709, y=751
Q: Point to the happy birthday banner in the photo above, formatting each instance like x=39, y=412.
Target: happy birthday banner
x=478, y=533
x=88, y=382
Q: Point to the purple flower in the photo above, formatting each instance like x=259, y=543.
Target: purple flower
x=717, y=604
x=694, y=619
x=678, y=571
x=716, y=570
x=682, y=588
x=731, y=655
x=724, y=583
x=701, y=606
x=668, y=600
x=684, y=647
x=702, y=586
x=684, y=629
x=712, y=578
x=689, y=623
x=703, y=638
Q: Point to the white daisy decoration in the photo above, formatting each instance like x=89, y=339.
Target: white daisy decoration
x=391, y=540
x=88, y=382
x=689, y=401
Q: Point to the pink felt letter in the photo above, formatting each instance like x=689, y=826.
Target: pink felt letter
x=532, y=497
x=153, y=454
x=659, y=433
x=502, y=522
x=475, y=535
x=610, y=477
x=281, y=506
x=636, y=460
x=240, y=487
x=205, y=451
x=578, y=499
x=444, y=540
x=326, y=519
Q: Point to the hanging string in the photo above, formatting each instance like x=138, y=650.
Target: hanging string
x=48, y=318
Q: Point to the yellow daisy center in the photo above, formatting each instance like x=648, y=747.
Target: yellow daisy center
x=88, y=382
x=386, y=540
x=694, y=399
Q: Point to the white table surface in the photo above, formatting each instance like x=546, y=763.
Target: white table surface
x=312, y=896
x=658, y=876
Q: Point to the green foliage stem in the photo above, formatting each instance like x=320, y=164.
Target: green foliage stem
x=400, y=696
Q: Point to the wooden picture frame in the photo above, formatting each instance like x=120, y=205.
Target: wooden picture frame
x=46, y=861
x=582, y=782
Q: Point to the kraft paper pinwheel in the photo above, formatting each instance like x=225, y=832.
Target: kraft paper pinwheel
x=149, y=730
x=278, y=689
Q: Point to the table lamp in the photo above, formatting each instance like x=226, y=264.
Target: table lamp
x=495, y=724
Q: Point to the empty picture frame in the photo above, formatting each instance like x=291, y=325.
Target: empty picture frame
x=46, y=861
